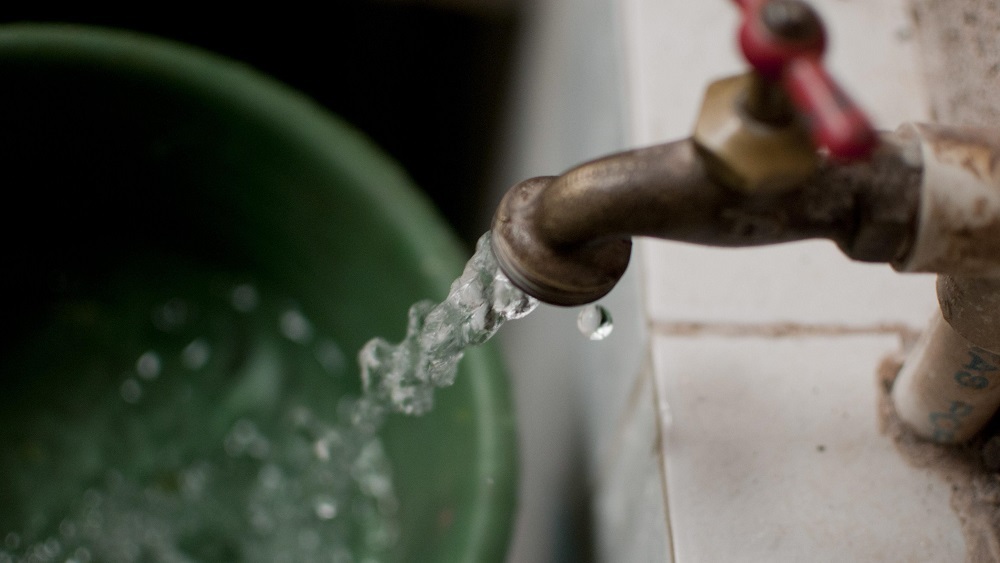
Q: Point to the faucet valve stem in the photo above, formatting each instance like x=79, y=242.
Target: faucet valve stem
x=784, y=42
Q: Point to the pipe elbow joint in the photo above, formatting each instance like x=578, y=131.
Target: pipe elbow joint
x=558, y=272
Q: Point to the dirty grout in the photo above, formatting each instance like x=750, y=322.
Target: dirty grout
x=905, y=333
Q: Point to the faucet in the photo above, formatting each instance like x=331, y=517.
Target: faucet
x=779, y=154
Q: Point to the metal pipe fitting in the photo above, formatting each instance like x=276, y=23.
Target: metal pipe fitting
x=949, y=387
x=566, y=240
x=959, y=232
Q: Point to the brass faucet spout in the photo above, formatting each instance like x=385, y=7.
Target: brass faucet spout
x=566, y=240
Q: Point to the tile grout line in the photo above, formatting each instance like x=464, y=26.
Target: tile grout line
x=779, y=329
x=770, y=330
x=658, y=446
x=625, y=418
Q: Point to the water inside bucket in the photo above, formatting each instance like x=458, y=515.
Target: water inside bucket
x=282, y=481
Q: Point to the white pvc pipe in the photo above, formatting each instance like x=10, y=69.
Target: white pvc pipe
x=949, y=387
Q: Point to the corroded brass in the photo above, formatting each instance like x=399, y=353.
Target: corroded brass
x=566, y=239
x=746, y=153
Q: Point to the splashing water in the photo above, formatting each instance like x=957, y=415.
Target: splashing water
x=303, y=488
x=402, y=377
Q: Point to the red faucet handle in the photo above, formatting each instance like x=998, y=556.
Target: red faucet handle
x=834, y=120
x=784, y=41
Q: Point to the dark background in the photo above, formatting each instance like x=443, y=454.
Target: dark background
x=425, y=80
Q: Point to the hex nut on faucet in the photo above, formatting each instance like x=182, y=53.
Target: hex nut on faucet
x=746, y=153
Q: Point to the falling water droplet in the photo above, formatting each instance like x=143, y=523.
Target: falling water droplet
x=595, y=322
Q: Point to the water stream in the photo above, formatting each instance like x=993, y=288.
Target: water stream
x=402, y=377
x=305, y=488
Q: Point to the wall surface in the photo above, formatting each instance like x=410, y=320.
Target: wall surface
x=567, y=106
x=765, y=360
x=960, y=51
x=738, y=419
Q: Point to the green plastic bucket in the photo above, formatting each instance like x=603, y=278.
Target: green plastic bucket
x=150, y=186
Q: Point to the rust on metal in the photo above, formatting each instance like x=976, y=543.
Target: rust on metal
x=960, y=212
x=975, y=149
x=754, y=146
x=971, y=306
x=566, y=239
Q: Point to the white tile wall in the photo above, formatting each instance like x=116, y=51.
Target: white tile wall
x=631, y=506
x=675, y=47
x=772, y=453
x=801, y=282
x=712, y=452
x=770, y=446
